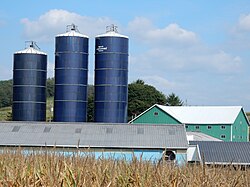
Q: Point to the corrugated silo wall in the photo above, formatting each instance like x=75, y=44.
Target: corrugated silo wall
x=29, y=87
x=111, y=79
x=71, y=79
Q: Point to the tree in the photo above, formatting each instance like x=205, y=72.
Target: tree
x=139, y=81
x=50, y=87
x=173, y=100
x=90, y=113
x=141, y=96
x=5, y=93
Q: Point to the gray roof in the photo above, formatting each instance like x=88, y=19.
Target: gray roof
x=199, y=136
x=224, y=152
x=94, y=135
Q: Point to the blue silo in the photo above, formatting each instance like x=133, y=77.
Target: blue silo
x=111, y=77
x=29, y=84
x=71, y=76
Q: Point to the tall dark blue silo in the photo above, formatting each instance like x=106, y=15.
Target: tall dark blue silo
x=71, y=76
x=111, y=77
x=29, y=84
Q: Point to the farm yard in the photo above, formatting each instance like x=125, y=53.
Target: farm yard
x=51, y=169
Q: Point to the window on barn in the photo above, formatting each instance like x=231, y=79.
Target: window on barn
x=209, y=127
x=171, y=132
x=197, y=127
x=47, y=129
x=223, y=127
x=156, y=113
x=109, y=130
x=223, y=136
x=140, y=130
x=186, y=126
x=16, y=128
x=78, y=130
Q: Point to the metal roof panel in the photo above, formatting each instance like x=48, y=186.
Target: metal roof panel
x=224, y=152
x=93, y=135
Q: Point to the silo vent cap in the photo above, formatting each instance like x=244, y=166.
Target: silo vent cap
x=112, y=28
x=31, y=44
x=111, y=31
x=72, y=27
x=72, y=30
x=30, y=48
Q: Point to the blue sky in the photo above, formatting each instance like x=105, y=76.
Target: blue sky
x=200, y=50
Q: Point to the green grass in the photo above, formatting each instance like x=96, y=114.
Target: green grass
x=4, y=113
x=49, y=105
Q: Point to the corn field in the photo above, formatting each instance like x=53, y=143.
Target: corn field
x=51, y=169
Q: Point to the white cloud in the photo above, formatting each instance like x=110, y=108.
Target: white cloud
x=174, y=48
x=244, y=22
x=160, y=60
x=50, y=69
x=143, y=30
x=139, y=26
x=90, y=77
x=226, y=63
x=172, y=32
x=239, y=35
x=159, y=81
x=55, y=21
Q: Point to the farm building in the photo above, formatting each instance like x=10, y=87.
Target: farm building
x=227, y=123
x=220, y=153
x=149, y=142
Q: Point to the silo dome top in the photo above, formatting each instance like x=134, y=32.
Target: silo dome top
x=111, y=31
x=32, y=49
x=72, y=31
x=111, y=34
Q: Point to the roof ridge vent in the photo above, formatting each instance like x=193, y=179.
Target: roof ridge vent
x=112, y=28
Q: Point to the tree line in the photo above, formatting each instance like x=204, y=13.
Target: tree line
x=141, y=96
